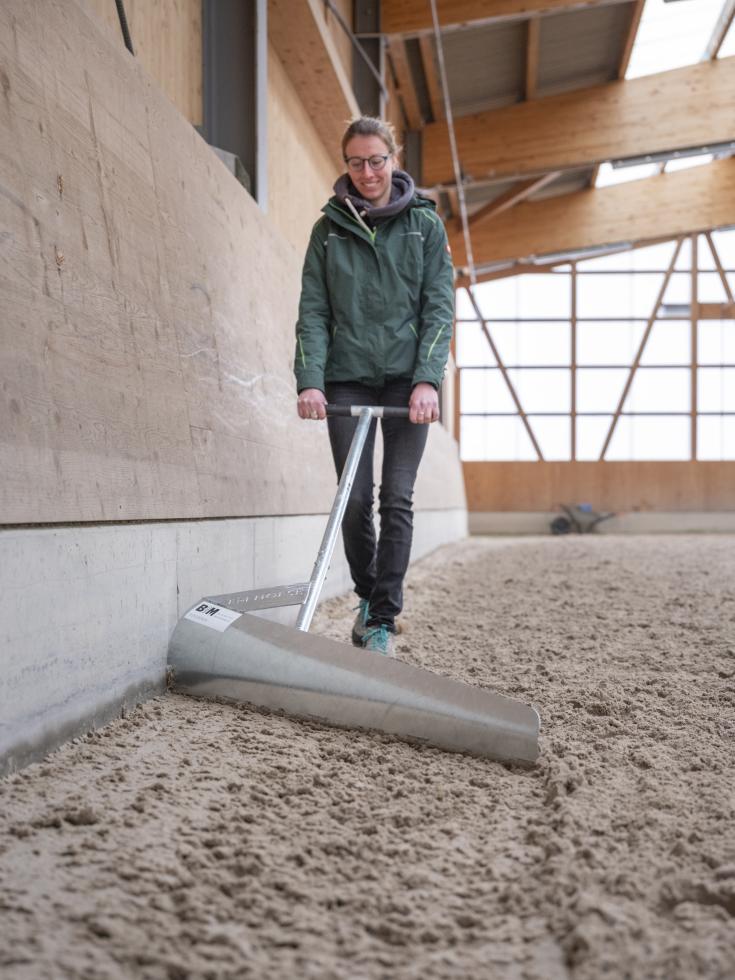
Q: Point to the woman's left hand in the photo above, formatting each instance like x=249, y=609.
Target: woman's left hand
x=423, y=405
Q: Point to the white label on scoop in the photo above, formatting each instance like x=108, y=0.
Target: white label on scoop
x=215, y=617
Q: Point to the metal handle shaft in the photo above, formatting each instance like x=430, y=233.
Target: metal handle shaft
x=377, y=411
x=321, y=565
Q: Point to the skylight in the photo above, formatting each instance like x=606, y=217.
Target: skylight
x=728, y=45
x=608, y=175
x=683, y=163
x=672, y=35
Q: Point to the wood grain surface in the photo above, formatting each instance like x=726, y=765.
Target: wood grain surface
x=687, y=107
x=147, y=305
x=616, y=486
x=663, y=206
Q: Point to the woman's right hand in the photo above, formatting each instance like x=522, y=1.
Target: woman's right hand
x=311, y=404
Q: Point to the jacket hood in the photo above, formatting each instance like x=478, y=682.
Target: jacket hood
x=401, y=195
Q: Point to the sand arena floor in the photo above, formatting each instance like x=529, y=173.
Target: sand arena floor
x=208, y=840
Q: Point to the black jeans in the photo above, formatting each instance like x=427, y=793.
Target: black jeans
x=378, y=567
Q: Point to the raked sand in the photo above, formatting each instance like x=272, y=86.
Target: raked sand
x=196, y=839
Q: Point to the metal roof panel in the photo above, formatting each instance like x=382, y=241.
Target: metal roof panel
x=485, y=66
x=581, y=47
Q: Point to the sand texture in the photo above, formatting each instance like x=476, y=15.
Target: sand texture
x=199, y=839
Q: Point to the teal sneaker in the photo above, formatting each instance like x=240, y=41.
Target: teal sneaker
x=360, y=624
x=379, y=639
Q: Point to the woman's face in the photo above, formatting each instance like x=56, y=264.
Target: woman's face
x=373, y=185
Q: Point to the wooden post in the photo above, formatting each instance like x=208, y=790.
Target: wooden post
x=694, y=352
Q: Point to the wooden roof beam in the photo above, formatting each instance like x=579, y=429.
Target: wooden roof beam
x=431, y=73
x=508, y=199
x=404, y=80
x=672, y=204
x=533, y=33
x=635, y=22
x=306, y=47
x=414, y=16
x=577, y=129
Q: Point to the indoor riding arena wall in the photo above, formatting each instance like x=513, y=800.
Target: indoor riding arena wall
x=150, y=450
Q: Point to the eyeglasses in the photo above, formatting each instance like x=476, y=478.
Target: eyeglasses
x=356, y=164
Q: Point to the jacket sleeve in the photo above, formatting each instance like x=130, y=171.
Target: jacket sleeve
x=437, y=305
x=312, y=327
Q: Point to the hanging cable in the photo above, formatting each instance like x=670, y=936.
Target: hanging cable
x=124, y=25
x=453, y=145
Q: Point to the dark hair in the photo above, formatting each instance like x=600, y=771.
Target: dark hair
x=371, y=126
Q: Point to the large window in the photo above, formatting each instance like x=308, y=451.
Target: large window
x=622, y=357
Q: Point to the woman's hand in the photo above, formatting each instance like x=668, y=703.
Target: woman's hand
x=311, y=404
x=423, y=405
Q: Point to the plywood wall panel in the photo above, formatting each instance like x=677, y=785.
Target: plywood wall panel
x=301, y=170
x=167, y=39
x=615, y=486
x=342, y=42
x=146, y=303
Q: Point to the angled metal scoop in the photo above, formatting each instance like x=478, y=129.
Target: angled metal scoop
x=219, y=649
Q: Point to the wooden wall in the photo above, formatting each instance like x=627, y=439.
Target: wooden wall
x=147, y=304
x=342, y=42
x=301, y=171
x=616, y=486
x=167, y=38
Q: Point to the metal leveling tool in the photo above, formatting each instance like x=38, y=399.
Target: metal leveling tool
x=219, y=649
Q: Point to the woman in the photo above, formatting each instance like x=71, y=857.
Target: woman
x=375, y=321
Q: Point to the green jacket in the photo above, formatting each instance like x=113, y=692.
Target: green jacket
x=375, y=306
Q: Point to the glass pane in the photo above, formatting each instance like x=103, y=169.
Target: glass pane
x=506, y=338
x=544, y=390
x=716, y=341
x=650, y=438
x=464, y=310
x=672, y=35
x=544, y=343
x=684, y=261
x=495, y=439
x=659, y=391
x=532, y=343
x=472, y=346
x=728, y=45
x=484, y=391
x=608, y=175
x=652, y=256
x=669, y=342
x=725, y=245
x=498, y=298
x=710, y=288
x=704, y=254
x=544, y=294
x=716, y=437
x=686, y=163
x=600, y=390
x=618, y=295
x=553, y=435
x=591, y=434
x=716, y=389
x=679, y=290
x=608, y=343
x=608, y=263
